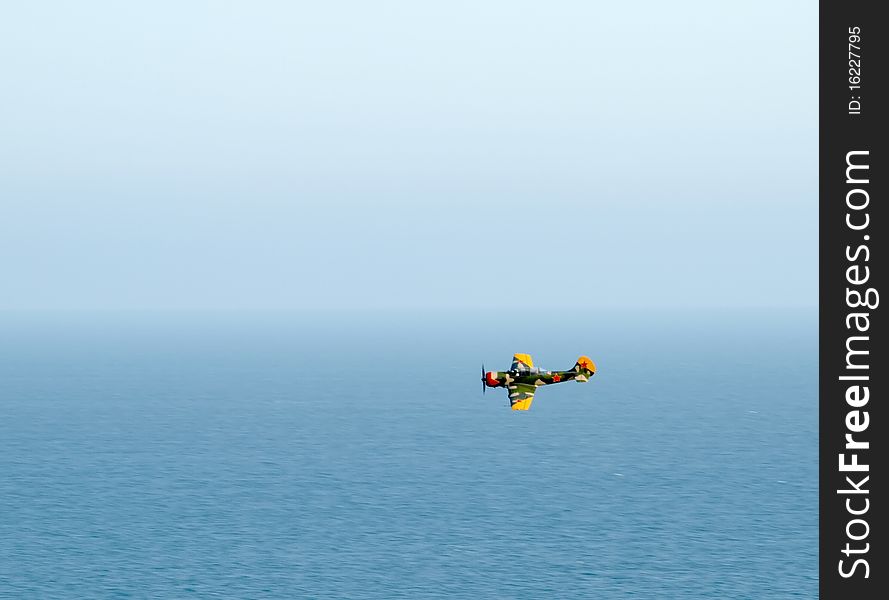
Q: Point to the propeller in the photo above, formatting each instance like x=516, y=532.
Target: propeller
x=484, y=385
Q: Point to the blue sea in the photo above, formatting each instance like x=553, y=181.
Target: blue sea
x=353, y=455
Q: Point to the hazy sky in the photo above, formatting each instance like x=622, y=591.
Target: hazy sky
x=408, y=154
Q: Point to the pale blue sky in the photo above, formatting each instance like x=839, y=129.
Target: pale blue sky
x=408, y=154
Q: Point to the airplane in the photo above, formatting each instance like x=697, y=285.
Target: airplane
x=523, y=378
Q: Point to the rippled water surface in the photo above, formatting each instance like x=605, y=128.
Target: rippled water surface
x=354, y=456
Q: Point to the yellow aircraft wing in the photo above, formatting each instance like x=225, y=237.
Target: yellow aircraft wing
x=521, y=395
x=521, y=362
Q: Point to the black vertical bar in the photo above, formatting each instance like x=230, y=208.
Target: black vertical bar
x=853, y=370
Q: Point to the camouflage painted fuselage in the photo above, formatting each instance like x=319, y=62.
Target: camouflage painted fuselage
x=506, y=378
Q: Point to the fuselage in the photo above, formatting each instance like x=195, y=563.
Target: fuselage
x=535, y=377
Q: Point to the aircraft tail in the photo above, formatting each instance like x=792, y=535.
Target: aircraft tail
x=585, y=367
